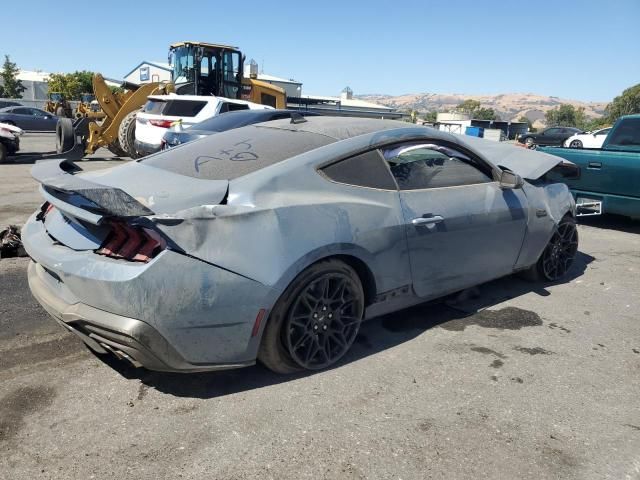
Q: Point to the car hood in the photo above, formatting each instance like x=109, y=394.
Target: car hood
x=529, y=164
x=133, y=189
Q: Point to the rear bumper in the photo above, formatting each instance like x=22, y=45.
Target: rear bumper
x=128, y=338
x=144, y=148
x=12, y=145
x=616, y=204
x=174, y=313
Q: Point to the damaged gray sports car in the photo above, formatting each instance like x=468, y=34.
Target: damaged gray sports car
x=275, y=241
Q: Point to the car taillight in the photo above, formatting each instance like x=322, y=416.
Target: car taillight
x=161, y=123
x=136, y=244
x=44, y=211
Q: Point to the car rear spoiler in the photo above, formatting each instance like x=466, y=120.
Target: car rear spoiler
x=80, y=197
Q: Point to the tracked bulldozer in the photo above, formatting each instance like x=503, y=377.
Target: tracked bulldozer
x=197, y=69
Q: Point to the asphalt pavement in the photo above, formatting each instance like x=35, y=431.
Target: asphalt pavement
x=513, y=380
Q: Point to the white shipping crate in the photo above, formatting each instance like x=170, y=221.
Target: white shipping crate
x=494, y=134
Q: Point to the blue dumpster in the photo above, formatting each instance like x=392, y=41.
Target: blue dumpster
x=474, y=131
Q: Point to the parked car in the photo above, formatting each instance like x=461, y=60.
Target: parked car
x=9, y=140
x=275, y=240
x=28, y=118
x=9, y=103
x=177, y=135
x=549, y=136
x=593, y=139
x=161, y=111
x=610, y=175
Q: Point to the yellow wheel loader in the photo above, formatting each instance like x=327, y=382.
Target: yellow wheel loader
x=57, y=105
x=197, y=69
x=89, y=107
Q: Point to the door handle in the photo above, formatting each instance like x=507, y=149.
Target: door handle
x=594, y=165
x=420, y=221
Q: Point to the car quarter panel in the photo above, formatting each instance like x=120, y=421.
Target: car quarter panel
x=284, y=217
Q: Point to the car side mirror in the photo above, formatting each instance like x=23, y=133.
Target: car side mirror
x=510, y=180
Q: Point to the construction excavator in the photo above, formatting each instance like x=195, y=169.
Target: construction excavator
x=198, y=68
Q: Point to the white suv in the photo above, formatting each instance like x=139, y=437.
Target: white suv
x=161, y=111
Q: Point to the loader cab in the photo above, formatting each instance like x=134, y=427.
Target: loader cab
x=206, y=69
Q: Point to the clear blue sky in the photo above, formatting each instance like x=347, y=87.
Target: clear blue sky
x=586, y=50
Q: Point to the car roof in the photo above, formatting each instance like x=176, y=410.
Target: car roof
x=337, y=128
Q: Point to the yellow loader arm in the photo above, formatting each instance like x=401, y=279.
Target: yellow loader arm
x=116, y=106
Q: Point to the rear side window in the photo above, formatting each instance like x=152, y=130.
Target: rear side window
x=183, y=108
x=266, y=99
x=232, y=107
x=418, y=167
x=236, y=152
x=626, y=135
x=154, y=106
x=364, y=170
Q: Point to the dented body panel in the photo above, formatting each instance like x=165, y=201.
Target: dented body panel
x=235, y=241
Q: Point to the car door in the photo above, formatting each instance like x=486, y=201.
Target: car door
x=46, y=121
x=462, y=228
x=40, y=119
x=550, y=136
x=23, y=118
x=598, y=138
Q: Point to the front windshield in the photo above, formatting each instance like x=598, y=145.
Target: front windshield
x=182, y=60
x=55, y=97
x=87, y=97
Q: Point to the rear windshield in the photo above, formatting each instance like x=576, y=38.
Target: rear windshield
x=175, y=108
x=235, y=153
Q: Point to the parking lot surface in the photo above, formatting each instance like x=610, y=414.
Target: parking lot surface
x=514, y=380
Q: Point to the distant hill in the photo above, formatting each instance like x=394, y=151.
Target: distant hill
x=510, y=106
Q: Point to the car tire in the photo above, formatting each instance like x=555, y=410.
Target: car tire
x=529, y=142
x=315, y=321
x=127, y=134
x=575, y=144
x=558, y=256
x=64, y=135
x=3, y=153
x=114, y=147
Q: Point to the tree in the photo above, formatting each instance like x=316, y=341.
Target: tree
x=12, y=87
x=530, y=127
x=627, y=103
x=474, y=109
x=71, y=85
x=485, y=114
x=431, y=117
x=566, y=115
x=468, y=106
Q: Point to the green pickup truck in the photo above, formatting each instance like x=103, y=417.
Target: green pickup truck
x=610, y=175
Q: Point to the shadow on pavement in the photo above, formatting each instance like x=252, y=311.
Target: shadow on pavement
x=452, y=313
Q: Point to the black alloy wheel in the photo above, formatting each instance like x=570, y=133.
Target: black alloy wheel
x=316, y=319
x=323, y=321
x=561, y=250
